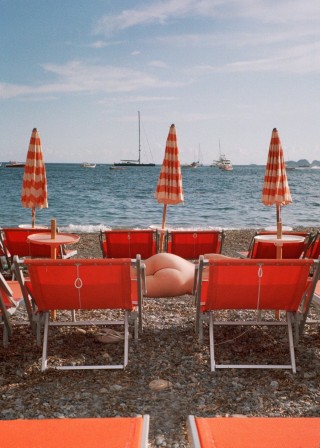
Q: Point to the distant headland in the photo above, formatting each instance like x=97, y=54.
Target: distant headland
x=302, y=163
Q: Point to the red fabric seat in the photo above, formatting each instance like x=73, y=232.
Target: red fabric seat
x=190, y=244
x=254, y=432
x=128, y=243
x=122, y=432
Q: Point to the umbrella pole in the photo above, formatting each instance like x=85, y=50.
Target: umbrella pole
x=33, y=221
x=278, y=247
x=279, y=231
x=164, y=215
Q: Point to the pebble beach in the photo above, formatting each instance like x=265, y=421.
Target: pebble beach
x=167, y=350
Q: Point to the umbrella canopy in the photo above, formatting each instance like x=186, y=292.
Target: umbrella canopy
x=275, y=187
x=169, y=187
x=34, y=183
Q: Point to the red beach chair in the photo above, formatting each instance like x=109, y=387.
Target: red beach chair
x=120, y=432
x=262, y=249
x=15, y=242
x=129, y=243
x=190, y=244
x=10, y=299
x=313, y=250
x=255, y=432
x=85, y=284
x=258, y=285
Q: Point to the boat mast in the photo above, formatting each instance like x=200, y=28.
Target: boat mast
x=139, y=137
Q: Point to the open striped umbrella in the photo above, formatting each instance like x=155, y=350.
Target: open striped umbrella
x=275, y=187
x=169, y=187
x=34, y=183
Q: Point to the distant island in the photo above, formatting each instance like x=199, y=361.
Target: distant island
x=303, y=163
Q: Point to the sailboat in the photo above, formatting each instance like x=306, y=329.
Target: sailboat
x=134, y=162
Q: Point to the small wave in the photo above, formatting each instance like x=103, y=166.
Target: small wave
x=82, y=228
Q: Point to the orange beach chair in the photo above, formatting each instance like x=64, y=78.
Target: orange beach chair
x=190, y=244
x=258, y=285
x=128, y=243
x=253, y=432
x=313, y=250
x=120, y=432
x=85, y=284
x=263, y=249
x=10, y=299
x=15, y=243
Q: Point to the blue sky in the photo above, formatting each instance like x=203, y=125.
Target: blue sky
x=228, y=70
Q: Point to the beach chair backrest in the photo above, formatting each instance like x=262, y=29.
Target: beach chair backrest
x=254, y=284
x=190, y=244
x=16, y=240
x=313, y=250
x=81, y=283
x=262, y=249
x=129, y=243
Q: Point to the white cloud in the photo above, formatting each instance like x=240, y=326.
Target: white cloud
x=77, y=76
x=158, y=64
x=300, y=59
x=265, y=11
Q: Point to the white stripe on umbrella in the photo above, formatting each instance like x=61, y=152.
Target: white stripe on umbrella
x=169, y=187
x=34, y=183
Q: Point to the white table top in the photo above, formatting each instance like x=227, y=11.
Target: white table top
x=279, y=241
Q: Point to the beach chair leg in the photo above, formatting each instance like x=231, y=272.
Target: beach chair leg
x=126, y=339
x=291, y=345
x=211, y=342
x=45, y=343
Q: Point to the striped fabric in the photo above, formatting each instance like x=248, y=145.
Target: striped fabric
x=34, y=183
x=169, y=187
x=275, y=187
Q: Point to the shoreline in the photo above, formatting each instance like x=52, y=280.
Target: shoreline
x=169, y=350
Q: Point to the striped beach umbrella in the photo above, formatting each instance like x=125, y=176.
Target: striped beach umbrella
x=275, y=187
x=169, y=189
x=34, y=183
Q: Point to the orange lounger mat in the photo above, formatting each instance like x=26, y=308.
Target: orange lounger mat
x=122, y=432
x=251, y=432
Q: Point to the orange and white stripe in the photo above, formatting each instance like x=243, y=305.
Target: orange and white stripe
x=169, y=187
x=34, y=183
x=275, y=187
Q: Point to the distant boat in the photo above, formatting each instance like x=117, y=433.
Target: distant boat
x=135, y=162
x=88, y=165
x=195, y=164
x=118, y=168
x=222, y=163
x=12, y=164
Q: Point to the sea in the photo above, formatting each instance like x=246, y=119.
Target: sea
x=93, y=199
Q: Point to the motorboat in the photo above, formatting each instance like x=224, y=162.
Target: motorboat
x=88, y=165
x=12, y=164
x=223, y=163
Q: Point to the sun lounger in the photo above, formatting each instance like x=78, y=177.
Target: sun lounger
x=253, y=432
x=113, y=432
x=190, y=244
x=15, y=243
x=129, y=243
x=313, y=250
x=85, y=284
x=10, y=299
x=258, y=285
x=263, y=249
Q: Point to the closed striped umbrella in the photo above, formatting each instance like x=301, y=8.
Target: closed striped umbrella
x=34, y=183
x=169, y=187
x=275, y=187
